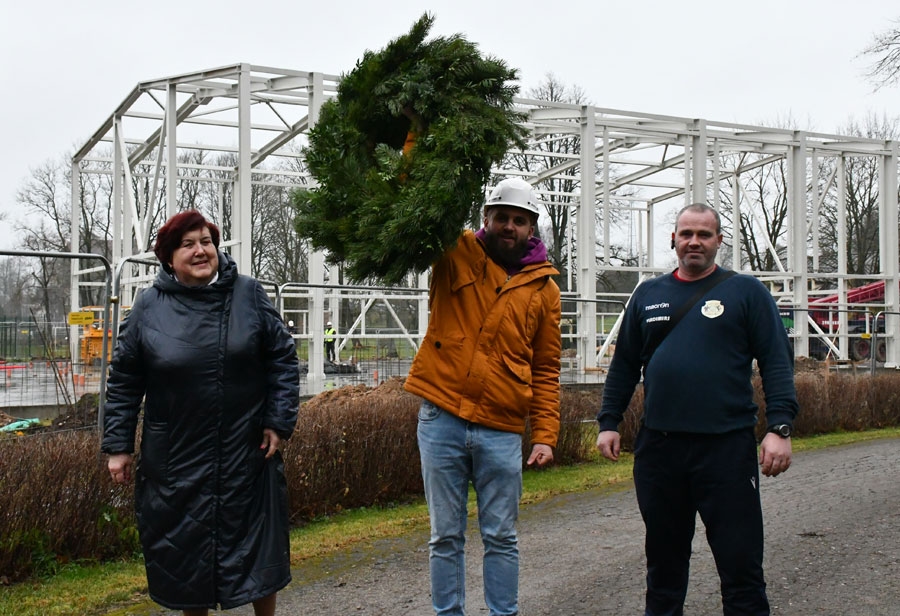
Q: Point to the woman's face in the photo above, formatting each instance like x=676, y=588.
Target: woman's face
x=196, y=259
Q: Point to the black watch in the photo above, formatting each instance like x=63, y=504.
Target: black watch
x=782, y=430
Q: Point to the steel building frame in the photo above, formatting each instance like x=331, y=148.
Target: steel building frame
x=625, y=175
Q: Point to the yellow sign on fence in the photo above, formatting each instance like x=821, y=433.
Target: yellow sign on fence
x=81, y=318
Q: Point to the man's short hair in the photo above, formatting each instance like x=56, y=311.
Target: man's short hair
x=700, y=208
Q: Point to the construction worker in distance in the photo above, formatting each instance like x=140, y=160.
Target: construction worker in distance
x=330, y=334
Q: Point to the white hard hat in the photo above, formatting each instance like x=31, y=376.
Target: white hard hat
x=328, y=324
x=515, y=192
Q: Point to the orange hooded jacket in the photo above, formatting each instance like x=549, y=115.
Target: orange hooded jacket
x=491, y=354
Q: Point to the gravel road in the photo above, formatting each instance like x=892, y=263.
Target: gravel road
x=832, y=547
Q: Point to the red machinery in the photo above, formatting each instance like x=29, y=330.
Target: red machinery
x=859, y=321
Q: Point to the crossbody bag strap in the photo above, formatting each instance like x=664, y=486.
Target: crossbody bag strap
x=708, y=284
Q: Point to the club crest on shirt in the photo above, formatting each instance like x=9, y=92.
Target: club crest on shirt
x=712, y=309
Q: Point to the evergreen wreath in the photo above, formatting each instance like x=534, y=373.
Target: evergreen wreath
x=402, y=153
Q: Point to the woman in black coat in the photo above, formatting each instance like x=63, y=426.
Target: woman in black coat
x=220, y=374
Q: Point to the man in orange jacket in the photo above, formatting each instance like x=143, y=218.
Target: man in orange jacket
x=489, y=362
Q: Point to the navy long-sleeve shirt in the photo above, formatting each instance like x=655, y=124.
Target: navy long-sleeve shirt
x=698, y=379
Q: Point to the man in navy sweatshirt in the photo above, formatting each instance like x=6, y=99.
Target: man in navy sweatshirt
x=696, y=450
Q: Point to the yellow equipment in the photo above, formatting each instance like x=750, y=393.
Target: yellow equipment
x=92, y=338
x=92, y=334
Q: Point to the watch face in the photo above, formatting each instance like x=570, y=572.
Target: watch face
x=783, y=430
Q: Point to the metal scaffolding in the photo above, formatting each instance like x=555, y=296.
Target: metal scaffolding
x=619, y=175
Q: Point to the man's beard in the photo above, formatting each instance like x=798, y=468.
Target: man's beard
x=507, y=256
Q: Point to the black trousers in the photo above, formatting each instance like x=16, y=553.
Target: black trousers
x=677, y=475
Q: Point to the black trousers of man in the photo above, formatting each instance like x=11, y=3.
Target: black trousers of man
x=677, y=475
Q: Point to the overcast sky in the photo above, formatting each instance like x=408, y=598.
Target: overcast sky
x=66, y=65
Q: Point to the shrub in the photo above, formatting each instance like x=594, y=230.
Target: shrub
x=577, y=427
x=59, y=505
x=353, y=447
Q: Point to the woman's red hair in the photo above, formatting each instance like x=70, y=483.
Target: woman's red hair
x=168, y=238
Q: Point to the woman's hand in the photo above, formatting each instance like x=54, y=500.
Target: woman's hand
x=120, y=466
x=270, y=442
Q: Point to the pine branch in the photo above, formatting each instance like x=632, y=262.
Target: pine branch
x=385, y=214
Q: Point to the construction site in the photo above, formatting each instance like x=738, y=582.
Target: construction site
x=616, y=176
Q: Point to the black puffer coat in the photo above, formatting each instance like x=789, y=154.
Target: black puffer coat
x=217, y=366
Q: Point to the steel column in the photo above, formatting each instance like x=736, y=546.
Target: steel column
x=171, y=121
x=797, y=250
x=316, y=271
x=843, y=323
x=890, y=253
x=242, y=205
x=698, y=162
x=587, y=241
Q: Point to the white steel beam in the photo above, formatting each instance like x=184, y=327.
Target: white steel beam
x=119, y=161
x=75, y=247
x=796, y=222
x=171, y=134
x=587, y=242
x=649, y=159
x=316, y=269
x=698, y=162
x=889, y=249
x=242, y=206
x=842, y=254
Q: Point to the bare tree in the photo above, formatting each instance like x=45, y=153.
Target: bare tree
x=761, y=180
x=151, y=206
x=555, y=148
x=885, y=49
x=762, y=228
x=861, y=201
x=50, y=274
x=279, y=253
x=15, y=287
x=45, y=195
x=191, y=174
x=46, y=199
x=760, y=232
x=559, y=191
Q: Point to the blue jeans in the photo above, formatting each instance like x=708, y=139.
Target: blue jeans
x=455, y=452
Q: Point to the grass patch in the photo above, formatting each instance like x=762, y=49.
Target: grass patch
x=821, y=441
x=327, y=535
x=119, y=588
x=77, y=589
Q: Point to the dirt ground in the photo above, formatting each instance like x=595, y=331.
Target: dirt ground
x=832, y=547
